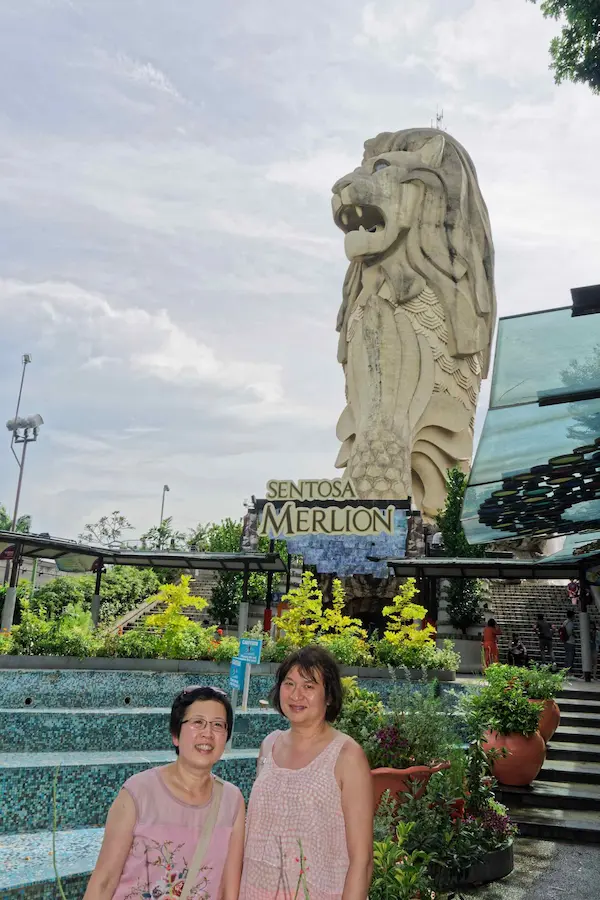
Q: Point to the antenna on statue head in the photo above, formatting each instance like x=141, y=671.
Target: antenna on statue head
x=439, y=120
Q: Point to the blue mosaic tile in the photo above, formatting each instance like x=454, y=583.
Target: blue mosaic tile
x=88, y=688
x=73, y=887
x=87, y=785
x=95, y=689
x=349, y=554
x=46, y=730
x=26, y=859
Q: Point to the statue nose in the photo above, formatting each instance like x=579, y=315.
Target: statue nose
x=341, y=184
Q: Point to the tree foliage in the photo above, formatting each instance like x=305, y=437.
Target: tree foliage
x=123, y=588
x=107, y=530
x=23, y=525
x=464, y=595
x=164, y=537
x=576, y=51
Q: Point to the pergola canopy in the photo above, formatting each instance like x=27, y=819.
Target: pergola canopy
x=73, y=557
x=548, y=568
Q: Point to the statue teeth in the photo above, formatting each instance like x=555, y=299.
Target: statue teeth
x=359, y=211
x=345, y=218
x=362, y=228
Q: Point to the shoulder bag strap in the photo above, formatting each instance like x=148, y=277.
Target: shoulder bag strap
x=204, y=840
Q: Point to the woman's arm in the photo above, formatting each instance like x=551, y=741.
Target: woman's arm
x=118, y=837
x=232, y=873
x=357, y=805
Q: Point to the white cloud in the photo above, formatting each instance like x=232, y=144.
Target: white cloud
x=168, y=253
x=172, y=354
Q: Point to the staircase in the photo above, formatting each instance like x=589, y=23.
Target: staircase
x=516, y=606
x=201, y=585
x=564, y=801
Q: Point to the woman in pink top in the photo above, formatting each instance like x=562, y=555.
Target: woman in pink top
x=313, y=789
x=155, y=823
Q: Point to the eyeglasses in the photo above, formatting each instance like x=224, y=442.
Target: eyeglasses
x=200, y=724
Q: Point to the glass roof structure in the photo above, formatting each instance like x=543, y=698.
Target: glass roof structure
x=537, y=467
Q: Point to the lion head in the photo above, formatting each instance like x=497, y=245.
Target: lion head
x=414, y=207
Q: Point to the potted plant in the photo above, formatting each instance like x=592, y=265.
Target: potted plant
x=540, y=683
x=511, y=721
x=411, y=743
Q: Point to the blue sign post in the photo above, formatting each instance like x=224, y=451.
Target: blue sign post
x=236, y=673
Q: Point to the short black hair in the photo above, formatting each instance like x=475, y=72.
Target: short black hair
x=310, y=659
x=571, y=614
x=540, y=615
x=189, y=695
x=492, y=623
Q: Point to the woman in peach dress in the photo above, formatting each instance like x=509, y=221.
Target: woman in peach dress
x=491, y=633
x=310, y=815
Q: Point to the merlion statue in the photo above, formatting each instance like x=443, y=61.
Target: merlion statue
x=417, y=316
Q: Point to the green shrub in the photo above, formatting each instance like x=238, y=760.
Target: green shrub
x=505, y=708
x=123, y=589
x=348, y=649
x=276, y=651
x=6, y=643
x=362, y=713
x=138, y=643
x=70, y=635
x=226, y=649
x=416, y=656
x=538, y=682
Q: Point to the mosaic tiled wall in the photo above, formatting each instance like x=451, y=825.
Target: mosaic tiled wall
x=84, y=793
x=39, y=731
x=73, y=888
x=348, y=554
x=94, y=689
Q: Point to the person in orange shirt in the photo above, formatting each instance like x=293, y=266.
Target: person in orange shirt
x=490, y=643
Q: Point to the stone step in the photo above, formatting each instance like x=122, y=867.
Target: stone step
x=50, y=730
x=87, y=783
x=552, y=795
x=571, y=772
x=573, y=751
x=581, y=691
x=587, y=719
x=586, y=707
x=576, y=735
x=577, y=826
x=26, y=863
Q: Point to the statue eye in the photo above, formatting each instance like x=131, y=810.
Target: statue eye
x=380, y=164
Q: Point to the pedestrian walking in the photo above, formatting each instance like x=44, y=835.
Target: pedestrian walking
x=567, y=636
x=545, y=633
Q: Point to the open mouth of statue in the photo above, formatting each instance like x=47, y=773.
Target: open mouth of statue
x=360, y=218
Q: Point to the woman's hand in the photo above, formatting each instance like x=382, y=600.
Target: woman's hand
x=356, y=785
x=118, y=837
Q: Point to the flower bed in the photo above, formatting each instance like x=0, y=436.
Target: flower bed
x=171, y=636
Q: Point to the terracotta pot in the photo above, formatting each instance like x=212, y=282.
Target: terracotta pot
x=549, y=720
x=401, y=781
x=525, y=757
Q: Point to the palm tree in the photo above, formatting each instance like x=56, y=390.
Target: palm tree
x=23, y=522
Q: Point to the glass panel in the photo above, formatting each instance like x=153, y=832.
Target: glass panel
x=537, y=471
x=545, y=353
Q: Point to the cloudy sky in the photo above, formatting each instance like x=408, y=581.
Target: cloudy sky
x=167, y=253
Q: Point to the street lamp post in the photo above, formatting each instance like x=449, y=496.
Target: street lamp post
x=24, y=431
x=162, y=514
